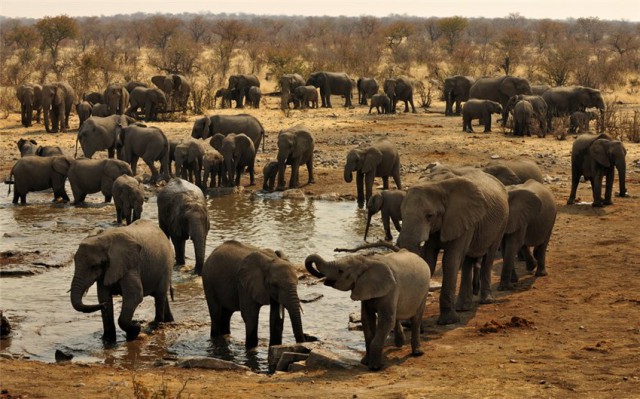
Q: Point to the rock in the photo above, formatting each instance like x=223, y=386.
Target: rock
x=354, y=326
x=311, y=298
x=435, y=286
x=61, y=356
x=322, y=359
x=329, y=197
x=293, y=193
x=276, y=352
x=290, y=357
x=6, y=355
x=495, y=156
x=5, y=326
x=296, y=367
x=210, y=363
x=355, y=317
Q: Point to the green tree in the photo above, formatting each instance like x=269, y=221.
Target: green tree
x=54, y=30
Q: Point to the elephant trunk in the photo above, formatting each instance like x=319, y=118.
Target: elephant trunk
x=366, y=229
x=292, y=304
x=229, y=164
x=28, y=116
x=198, y=234
x=309, y=265
x=348, y=174
x=78, y=287
x=621, y=165
x=45, y=110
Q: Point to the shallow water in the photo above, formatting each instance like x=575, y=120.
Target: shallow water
x=45, y=321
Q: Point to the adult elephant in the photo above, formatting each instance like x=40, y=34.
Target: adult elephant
x=499, y=89
x=40, y=173
x=295, y=148
x=516, y=171
x=391, y=287
x=182, y=214
x=594, y=157
x=99, y=134
x=129, y=86
x=189, y=157
x=539, y=107
x=116, y=97
x=367, y=87
x=254, y=95
x=240, y=277
x=30, y=97
x=94, y=97
x=88, y=176
x=132, y=261
x=456, y=90
x=176, y=88
x=242, y=83
x=83, y=110
x=239, y=153
x=128, y=197
x=288, y=83
x=151, y=100
x=149, y=143
x=380, y=159
x=388, y=202
x=206, y=127
x=57, y=101
x=465, y=215
x=537, y=90
x=400, y=88
x=332, y=83
x=565, y=100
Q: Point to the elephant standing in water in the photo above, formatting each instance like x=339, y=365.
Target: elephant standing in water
x=288, y=84
x=133, y=261
x=400, y=88
x=128, y=197
x=88, y=176
x=239, y=153
x=99, y=134
x=332, y=83
x=34, y=173
x=57, y=101
x=241, y=84
x=295, y=148
x=30, y=97
x=149, y=143
x=456, y=90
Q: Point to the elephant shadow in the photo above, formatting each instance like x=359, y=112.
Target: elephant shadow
x=584, y=209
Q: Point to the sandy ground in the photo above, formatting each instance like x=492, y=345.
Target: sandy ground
x=582, y=338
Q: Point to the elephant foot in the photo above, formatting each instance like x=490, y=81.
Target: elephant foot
x=312, y=181
x=398, y=339
x=486, y=299
x=621, y=195
x=541, y=273
x=464, y=305
x=417, y=353
x=514, y=277
x=109, y=338
x=598, y=204
x=505, y=287
x=531, y=266
x=607, y=202
x=388, y=238
x=365, y=360
x=571, y=201
x=448, y=317
x=133, y=332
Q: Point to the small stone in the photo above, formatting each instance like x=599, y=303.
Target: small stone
x=79, y=385
x=582, y=327
x=210, y=363
x=495, y=156
x=321, y=359
x=542, y=382
x=288, y=358
x=513, y=361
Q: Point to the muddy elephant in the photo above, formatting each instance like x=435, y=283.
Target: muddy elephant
x=239, y=153
x=288, y=83
x=182, y=215
x=400, y=88
x=367, y=88
x=596, y=157
x=132, y=261
x=57, y=101
x=331, y=83
x=83, y=109
x=379, y=159
x=563, y=101
x=30, y=97
x=240, y=277
x=532, y=214
x=128, y=197
x=31, y=147
x=479, y=109
x=539, y=108
x=388, y=202
x=116, y=97
x=499, y=89
x=99, y=134
x=307, y=96
x=579, y=121
x=465, y=215
x=241, y=83
x=40, y=173
x=516, y=171
x=212, y=168
x=176, y=88
x=269, y=174
x=254, y=95
x=456, y=90
x=523, y=116
x=391, y=288
x=295, y=148
x=189, y=156
x=93, y=97
x=149, y=143
x=150, y=100
x=88, y=176
x=381, y=102
x=206, y=127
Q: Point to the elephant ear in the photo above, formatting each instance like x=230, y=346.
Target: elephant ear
x=524, y=205
x=252, y=277
x=207, y=130
x=124, y=252
x=465, y=206
x=61, y=164
x=177, y=82
x=158, y=80
x=508, y=87
x=375, y=282
x=372, y=159
x=598, y=152
x=375, y=203
x=502, y=173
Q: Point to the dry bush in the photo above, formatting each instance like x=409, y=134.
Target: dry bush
x=8, y=102
x=424, y=92
x=142, y=391
x=622, y=124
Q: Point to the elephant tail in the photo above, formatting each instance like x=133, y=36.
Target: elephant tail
x=171, y=293
x=10, y=181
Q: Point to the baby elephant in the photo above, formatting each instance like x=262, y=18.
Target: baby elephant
x=380, y=101
x=31, y=147
x=479, y=109
x=579, y=121
x=392, y=287
x=388, y=202
x=523, y=115
x=213, y=166
x=128, y=196
x=83, y=109
x=269, y=173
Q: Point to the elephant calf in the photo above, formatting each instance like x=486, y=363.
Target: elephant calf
x=295, y=148
x=270, y=173
x=189, y=155
x=40, y=173
x=523, y=115
x=128, y=197
x=388, y=202
x=514, y=172
x=479, y=109
x=579, y=121
x=213, y=166
x=149, y=143
x=84, y=111
x=380, y=101
x=31, y=147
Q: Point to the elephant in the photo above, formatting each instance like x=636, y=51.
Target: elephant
x=563, y=101
x=242, y=83
x=88, y=176
x=83, y=109
x=580, y=121
x=269, y=173
x=456, y=90
x=212, y=165
x=34, y=173
x=239, y=153
x=129, y=86
x=465, y=214
x=515, y=171
x=216, y=141
x=381, y=101
x=176, y=88
x=226, y=97
x=100, y=109
x=99, y=134
x=388, y=202
x=253, y=96
x=182, y=214
x=172, y=158
x=307, y=96
x=400, y=88
x=295, y=148
x=128, y=197
x=151, y=100
x=30, y=97
x=499, y=89
x=31, y=147
x=332, y=83
x=367, y=88
x=206, y=127
x=189, y=156
x=594, y=157
x=537, y=90
x=288, y=83
x=116, y=97
x=57, y=101
x=523, y=114
x=539, y=108
x=149, y=143
x=133, y=261
x=479, y=109
x=94, y=98
x=391, y=288
x=532, y=214
x=380, y=159
x=242, y=277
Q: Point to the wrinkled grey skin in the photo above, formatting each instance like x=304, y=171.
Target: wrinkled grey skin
x=499, y=89
x=523, y=115
x=400, y=88
x=367, y=88
x=307, y=96
x=239, y=277
x=206, y=127
x=269, y=174
x=479, y=109
x=176, y=88
x=539, y=108
x=288, y=83
x=57, y=101
x=239, y=153
x=381, y=101
x=594, y=157
x=182, y=215
x=212, y=165
x=379, y=159
x=30, y=97
x=388, y=202
x=216, y=141
x=128, y=197
x=241, y=83
x=514, y=172
x=465, y=214
x=84, y=110
x=532, y=214
x=253, y=96
x=31, y=147
x=93, y=97
x=129, y=86
x=537, y=90
x=33, y=173
x=88, y=176
x=332, y=83
x=132, y=261
x=563, y=101
x=456, y=90
x=100, y=110
x=579, y=121
x=149, y=143
x=226, y=97
x=189, y=156
x=99, y=134
x=295, y=148
x=116, y=97
x=391, y=287
x=150, y=100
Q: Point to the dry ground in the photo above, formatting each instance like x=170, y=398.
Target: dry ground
x=583, y=337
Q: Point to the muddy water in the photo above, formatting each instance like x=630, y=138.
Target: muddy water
x=45, y=321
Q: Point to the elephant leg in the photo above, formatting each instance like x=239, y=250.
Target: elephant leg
x=368, y=318
x=293, y=180
x=540, y=253
x=119, y=213
x=360, y=188
x=127, y=216
x=396, y=224
x=178, y=244
x=457, y=107
x=386, y=320
x=108, y=323
x=163, y=312
x=529, y=261
x=250, y=315
x=416, y=324
x=386, y=224
x=465, y=296
x=131, y=297
x=252, y=176
x=105, y=188
x=609, y=186
x=148, y=159
x=310, y=171
x=596, y=188
x=398, y=335
x=575, y=180
x=134, y=164
x=216, y=314
x=485, y=274
x=368, y=181
x=487, y=123
x=371, y=107
x=276, y=324
x=385, y=182
x=510, y=246
x=198, y=173
x=430, y=252
x=78, y=195
x=451, y=262
x=413, y=107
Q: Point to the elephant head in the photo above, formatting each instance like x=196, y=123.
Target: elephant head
x=27, y=147
x=117, y=98
x=364, y=160
x=316, y=79
x=389, y=88
x=287, y=149
x=374, y=205
x=164, y=83
x=115, y=168
x=609, y=153
x=512, y=85
x=201, y=128
x=53, y=101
